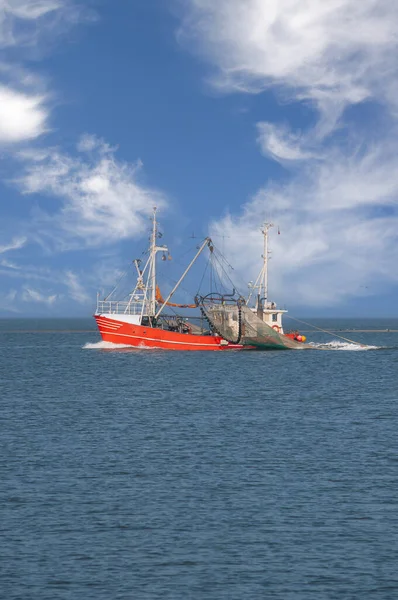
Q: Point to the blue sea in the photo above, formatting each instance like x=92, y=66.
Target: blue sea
x=153, y=475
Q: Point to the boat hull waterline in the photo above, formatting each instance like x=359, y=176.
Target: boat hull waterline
x=139, y=336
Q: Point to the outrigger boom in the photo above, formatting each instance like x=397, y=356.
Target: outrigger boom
x=207, y=242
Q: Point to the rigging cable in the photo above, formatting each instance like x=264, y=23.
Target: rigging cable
x=224, y=271
x=326, y=331
x=117, y=283
x=204, y=273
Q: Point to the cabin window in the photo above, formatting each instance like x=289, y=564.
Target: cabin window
x=274, y=317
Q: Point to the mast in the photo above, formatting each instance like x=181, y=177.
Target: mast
x=150, y=290
x=261, y=283
x=153, y=261
x=145, y=289
x=263, y=291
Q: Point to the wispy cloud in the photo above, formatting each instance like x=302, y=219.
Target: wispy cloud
x=9, y=265
x=90, y=189
x=37, y=284
x=324, y=253
x=7, y=302
x=279, y=143
x=103, y=200
x=15, y=244
x=45, y=279
x=332, y=53
x=24, y=25
x=339, y=220
x=338, y=204
x=75, y=288
x=32, y=295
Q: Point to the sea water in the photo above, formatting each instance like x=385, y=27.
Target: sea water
x=176, y=475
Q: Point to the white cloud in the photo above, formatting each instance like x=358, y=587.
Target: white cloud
x=15, y=244
x=333, y=53
x=338, y=210
x=29, y=10
x=103, y=200
x=32, y=295
x=28, y=28
x=91, y=143
x=34, y=282
x=25, y=22
x=22, y=116
x=29, y=272
x=279, y=143
x=339, y=220
x=339, y=230
x=24, y=26
x=75, y=289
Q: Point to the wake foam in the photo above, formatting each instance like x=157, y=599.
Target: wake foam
x=345, y=346
x=332, y=345
x=104, y=346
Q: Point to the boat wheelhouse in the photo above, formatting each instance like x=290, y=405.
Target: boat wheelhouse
x=267, y=311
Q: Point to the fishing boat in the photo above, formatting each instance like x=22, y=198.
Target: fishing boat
x=267, y=311
x=225, y=322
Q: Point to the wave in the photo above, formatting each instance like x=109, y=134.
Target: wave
x=332, y=345
x=345, y=346
x=104, y=346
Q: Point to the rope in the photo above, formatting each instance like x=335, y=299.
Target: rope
x=326, y=331
x=117, y=285
x=224, y=259
x=223, y=271
x=203, y=276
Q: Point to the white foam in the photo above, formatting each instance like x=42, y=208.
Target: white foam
x=332, y=345
x=104, y=346
x=346, y=346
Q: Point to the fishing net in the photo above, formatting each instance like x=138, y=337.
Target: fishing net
x=226, y=321
x=238, y=324
x=257, y=333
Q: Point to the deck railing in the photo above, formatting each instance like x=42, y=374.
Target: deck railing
x=121, y=308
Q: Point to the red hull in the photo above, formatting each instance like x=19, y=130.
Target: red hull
x=138, y=336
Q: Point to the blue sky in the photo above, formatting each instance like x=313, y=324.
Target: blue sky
x=223, y=114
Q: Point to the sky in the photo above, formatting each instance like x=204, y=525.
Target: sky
x=224, y=115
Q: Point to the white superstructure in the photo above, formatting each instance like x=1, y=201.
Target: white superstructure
x=266, y=310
